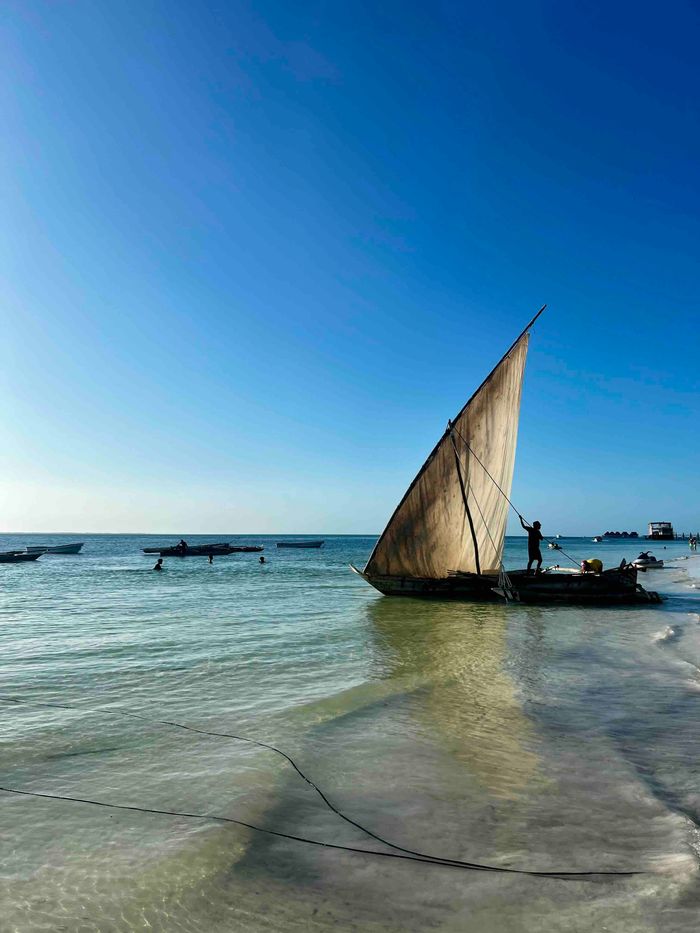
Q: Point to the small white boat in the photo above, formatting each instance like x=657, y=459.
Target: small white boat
x=598, y=539
x=56, y=548
x=553, y=546
x=647, y=561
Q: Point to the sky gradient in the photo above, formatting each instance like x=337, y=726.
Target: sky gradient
x=254, y=255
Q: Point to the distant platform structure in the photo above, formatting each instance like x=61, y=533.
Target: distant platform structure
x=661, y=531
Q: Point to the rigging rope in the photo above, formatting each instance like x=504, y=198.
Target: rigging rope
x=504, y=581
x=465, y=501
x=476, y=502
x=409, y=854
x=478, y=460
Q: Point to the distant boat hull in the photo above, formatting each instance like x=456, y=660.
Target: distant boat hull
x=468, y=587
x=612, y=587
x=18, y=557
x=203, y=550
x=56, y=548
x=301, y=544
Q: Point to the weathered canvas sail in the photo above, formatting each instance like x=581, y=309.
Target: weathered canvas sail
x=453, y=516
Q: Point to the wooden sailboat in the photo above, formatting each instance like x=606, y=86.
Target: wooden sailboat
x=446, y=536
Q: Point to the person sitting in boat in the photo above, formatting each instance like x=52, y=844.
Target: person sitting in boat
x=159, y=564
x=592, y=566
x=182, y=545
x=644, y=555
x=534, y=536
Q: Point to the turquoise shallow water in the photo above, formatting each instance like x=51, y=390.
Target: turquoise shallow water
x=531, y=737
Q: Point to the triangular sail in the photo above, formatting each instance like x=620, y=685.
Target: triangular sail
x=453, y=516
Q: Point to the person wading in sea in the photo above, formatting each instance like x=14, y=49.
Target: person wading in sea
x=159, y=564
x=534, y=536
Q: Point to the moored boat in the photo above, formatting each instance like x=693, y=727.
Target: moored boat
x=17, y=557
x=56, y=548
x=216, y=549
x=298, y=544
x=446, y=536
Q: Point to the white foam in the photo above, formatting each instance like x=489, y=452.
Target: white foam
x=668, y=634
x=677, y=863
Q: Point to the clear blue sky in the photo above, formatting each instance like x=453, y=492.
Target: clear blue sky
x=254, y=255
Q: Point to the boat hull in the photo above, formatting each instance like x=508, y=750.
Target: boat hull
x=468, y=587
x=612, y=587
x=56, y=549
x=204, y=550
x=18, y=557
x=301, y=544
x=66, y=548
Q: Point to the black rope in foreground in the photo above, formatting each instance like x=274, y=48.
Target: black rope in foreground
x=446, y=863
x=409, y=854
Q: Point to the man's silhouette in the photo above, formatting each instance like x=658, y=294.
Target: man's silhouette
x=534, y=536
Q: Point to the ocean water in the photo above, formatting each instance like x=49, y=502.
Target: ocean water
x=551, y=739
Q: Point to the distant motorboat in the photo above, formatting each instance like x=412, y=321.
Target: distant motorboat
x=17, y=557
x=553, y=546
x=598, y=539
x=56, y=548
x=300, y=543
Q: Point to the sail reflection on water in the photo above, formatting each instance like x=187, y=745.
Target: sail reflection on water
x=451, y=659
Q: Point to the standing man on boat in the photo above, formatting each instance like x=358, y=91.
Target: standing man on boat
x=534, y=536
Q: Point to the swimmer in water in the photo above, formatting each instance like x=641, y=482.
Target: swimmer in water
x=159, y=564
